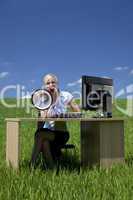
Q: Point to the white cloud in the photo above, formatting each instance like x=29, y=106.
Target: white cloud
x=32, y=81
x=3, y=74
x=74, y=83
x=105, y=76
x=121, y=68
x=129, y=88
x=131, y=72
x=126, y=67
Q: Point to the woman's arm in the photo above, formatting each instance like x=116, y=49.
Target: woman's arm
x=74, y=106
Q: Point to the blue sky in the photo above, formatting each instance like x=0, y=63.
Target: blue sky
x=68, y=38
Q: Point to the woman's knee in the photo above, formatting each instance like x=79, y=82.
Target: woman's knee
x=44, y=134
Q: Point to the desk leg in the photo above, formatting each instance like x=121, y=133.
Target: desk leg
x=12, y=143
x=102, y=143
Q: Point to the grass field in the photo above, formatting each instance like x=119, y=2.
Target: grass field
x=70, y=183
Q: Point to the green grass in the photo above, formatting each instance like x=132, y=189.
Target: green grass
x=97, y=183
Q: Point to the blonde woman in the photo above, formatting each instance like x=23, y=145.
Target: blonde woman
x=48, y=139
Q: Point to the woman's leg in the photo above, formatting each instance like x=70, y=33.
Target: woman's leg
x=36, y=148
x=61, y=138
x=46, y=150
x=48, y=142
x=41, y=143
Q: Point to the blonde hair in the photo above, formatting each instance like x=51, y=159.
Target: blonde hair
x=50, y=75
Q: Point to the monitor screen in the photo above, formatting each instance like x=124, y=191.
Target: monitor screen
x=97, y=93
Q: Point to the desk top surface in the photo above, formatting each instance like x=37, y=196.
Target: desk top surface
x=62, y=119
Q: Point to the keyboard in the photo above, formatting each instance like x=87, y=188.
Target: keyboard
x=68, y=115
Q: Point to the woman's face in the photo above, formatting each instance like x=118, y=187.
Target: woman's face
x=50, y=83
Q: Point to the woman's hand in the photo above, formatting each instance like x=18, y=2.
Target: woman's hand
x=54, y=92
x=43, y=113
x=74, y=106
x=50, y=112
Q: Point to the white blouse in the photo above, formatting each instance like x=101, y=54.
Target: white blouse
x=60, y=106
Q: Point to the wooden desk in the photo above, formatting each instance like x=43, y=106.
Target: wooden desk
x=102, y=140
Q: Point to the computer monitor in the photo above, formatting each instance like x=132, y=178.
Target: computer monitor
x=97, y=94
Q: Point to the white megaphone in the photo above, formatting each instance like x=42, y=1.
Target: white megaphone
x=42, y=99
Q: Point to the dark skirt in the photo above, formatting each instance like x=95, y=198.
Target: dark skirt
x=60, y=139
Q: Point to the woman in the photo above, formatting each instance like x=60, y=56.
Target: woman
x=48, y=139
